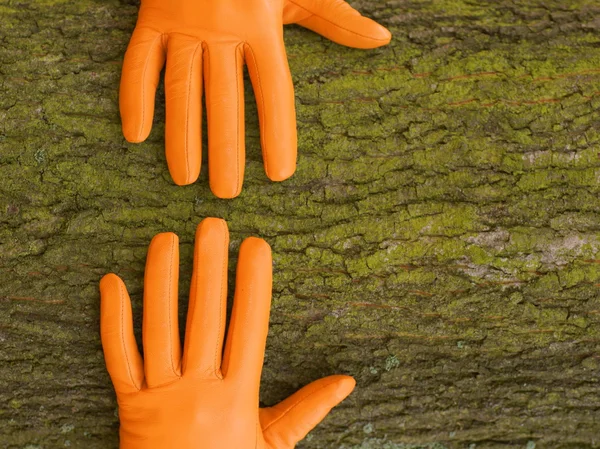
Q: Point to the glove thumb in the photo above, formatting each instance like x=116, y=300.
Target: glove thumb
x=290, y=421
x=337, y=21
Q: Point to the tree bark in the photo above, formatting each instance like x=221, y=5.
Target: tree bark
x=440, y=240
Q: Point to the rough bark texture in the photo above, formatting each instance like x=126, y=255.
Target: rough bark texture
x=440, y=240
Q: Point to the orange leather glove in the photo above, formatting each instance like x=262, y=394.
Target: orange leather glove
x=212, y=39
x=207, y=398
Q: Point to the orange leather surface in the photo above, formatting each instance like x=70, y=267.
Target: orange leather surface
x=204, y=397
x=206, y=43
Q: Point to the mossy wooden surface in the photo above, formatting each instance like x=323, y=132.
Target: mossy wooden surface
x=440, y=240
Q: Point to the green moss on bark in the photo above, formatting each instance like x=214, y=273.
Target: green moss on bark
x=439, y=241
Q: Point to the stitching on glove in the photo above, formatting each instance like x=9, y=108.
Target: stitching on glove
x=261, y=108
x=216, y=369
x=257, y=433
x=140, y=132
x=169, y=311
x=122, y=299
x=206, y=70
x=238, y=186
x=187, y=118
x=193, y=303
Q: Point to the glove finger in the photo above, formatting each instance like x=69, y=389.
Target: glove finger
x=290, y=421
x=274, y=91
x=144, y=59
x=208, y=301
x=123, y=359
x=162, y=349
x=337, y=21
x=183, y=92
x=223, y=71
x=247, y=335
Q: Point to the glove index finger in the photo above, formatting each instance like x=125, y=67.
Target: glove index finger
x=249, y=325
x=208, y=301
x=123, y=359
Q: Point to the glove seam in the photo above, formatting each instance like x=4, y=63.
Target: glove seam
x=122, y=300
x=140, y=132
x=170, y=299
x=223, y=272
x=333, y=23
x=150, y=28
x=238, y=187
x=187, y=118
x=257, y=433
x=261, y=112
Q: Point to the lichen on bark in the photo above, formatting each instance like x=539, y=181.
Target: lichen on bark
x=440, y=240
